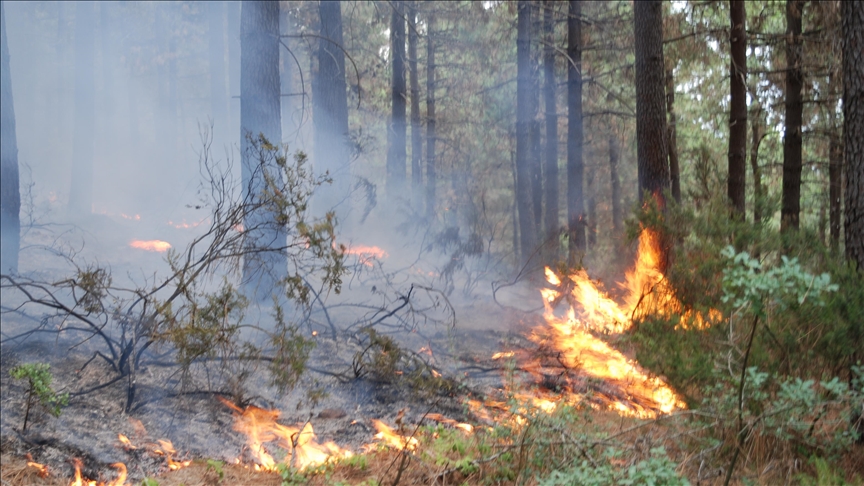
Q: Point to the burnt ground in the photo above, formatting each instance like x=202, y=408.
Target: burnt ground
x=200, y=426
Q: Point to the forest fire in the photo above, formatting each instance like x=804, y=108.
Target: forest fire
x=79, y=481
x=592, y=310
x=260, y=426
x=393, y=439
x=365, y=254
x=150, y=245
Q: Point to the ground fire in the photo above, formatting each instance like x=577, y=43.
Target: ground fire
x=150, y=245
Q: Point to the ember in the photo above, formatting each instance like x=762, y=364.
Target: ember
x=150, y=245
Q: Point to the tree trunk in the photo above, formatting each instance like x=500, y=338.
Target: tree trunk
x=575, y=135
x=535, y=155
x=672, y=133
x=551, y=169
x=431, y=177
x=737, y=108
x=232, y=27
x=652, y=155
x=416, y=135
x=835, y=188
x=591, y=217
x=10, y=197
x=852, y=14
x=81, y=191
x=791, y=204
x=616, y=184
x=758, y=135
x=396, y=135
x=260, y=115
x=292, y=100
x=218, y=91
x=330, y=98
x=527, y=236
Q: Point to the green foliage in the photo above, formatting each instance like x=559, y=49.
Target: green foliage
x=217, y=467
x=291, y=476
x=39, y=378
x=149, y=482
x=384, y=360
x=657, y=469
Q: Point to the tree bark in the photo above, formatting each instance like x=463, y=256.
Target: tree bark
x=835, y=188
x=535, y=153
x=396, y=170
x=791, y=204
x=616, y=184
x=10, y=196
x=652, y=154
x=527, y=236
x=737, y=107
x=330, y=112
x=575, y=135
x=216, y=58
x=758, y=135
x=260, y=115
x=852, y=14
x=672, y=133
x=416, y=135
x=81, y=190
x=431, y=177
x=551, y=169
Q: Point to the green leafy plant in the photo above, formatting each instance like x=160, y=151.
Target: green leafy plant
x=39, y=378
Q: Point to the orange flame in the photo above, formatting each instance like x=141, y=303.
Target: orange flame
x=260, y=426
x=150, y=245
x=577, y=348
x=444, y=420
x=366, y=254
x=127, y=444
x=79, y=481
x=167, y=450
x=42, y=470
x=391, y=438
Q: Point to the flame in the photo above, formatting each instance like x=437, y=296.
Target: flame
x=260, y=426
x=391, y=438
x=366, y=254
x=79, y=481
x=184, y=225
x=150, y=245
x=167, y=450
x=127, y=444
x=42, y=470
x=444, y=420
x=592, y=310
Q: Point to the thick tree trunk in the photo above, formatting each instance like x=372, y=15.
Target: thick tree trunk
x=652, y=155
x=575, y=135
x=292, y=101
x=81, y=191
x=431, y=177
x=260, y=115
x=330, y=99
x=616, y=184
x=216, y=58
x=10, y=196
x=737, y=108
x=672, y=133
x=551, y=168
x=591, y=203
x=852, y=14
x=396, y=169
x=527, y=236
x=416, y=135
x=791, y=204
